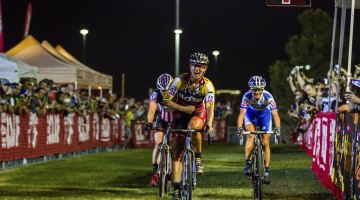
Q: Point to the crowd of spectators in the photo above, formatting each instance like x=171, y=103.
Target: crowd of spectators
x=312, y=95
x=47, y=97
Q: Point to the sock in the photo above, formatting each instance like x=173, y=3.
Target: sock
x=197, y=155
x=248, y=162
x=155, y=167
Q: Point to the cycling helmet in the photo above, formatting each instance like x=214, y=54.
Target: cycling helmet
x=199, y=58
x=164, y=81
x=257, y=82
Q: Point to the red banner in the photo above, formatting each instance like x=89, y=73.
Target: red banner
x=27, y=20
x=31, y=136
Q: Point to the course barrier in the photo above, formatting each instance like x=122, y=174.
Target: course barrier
x=332, y=139
x=32, y=136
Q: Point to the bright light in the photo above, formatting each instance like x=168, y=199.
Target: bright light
x=216, y=53
x=178, y=31
x=99, y=88
x=84, y=31
x=307, y=67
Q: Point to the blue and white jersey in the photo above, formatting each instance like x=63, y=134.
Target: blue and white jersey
x=266, y=101
x=258, y=112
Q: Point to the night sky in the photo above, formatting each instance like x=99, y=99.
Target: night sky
x=136, y=37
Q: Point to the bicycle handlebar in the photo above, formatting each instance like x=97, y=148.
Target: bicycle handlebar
x=184, y=131
x=241, y=142
x=258, y=132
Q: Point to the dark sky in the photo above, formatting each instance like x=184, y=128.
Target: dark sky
x=136, y=37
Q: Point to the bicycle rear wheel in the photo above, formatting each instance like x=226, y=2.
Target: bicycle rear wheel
x=168, y=171
x=162, y=173
x=187, y=175
x=259, y=172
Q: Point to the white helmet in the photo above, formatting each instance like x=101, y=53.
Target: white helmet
x=163, y=82
x=257, y=82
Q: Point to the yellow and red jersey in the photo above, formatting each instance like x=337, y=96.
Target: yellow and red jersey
x=201, y=94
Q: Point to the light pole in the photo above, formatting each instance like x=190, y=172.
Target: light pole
x=84, y=32
x=177, y=32
x=177, y=50
x=216, y=53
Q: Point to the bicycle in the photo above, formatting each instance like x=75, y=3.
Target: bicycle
x=257, y=161
x=165, y=162
x=188, y=174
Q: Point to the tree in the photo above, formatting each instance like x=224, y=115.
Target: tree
x=311, y=47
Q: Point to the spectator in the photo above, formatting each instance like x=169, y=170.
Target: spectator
x=311, y=93
x=323, y=102
x=129, y=117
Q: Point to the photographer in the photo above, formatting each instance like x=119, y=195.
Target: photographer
x=353, y=98
x=323, y=101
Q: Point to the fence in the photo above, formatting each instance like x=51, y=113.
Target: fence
x=34, y=136
x=332, y=139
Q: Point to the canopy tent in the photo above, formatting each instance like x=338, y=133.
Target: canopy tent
x=23, y=70
x=82, y=73
x=30, y=51
x=98, y=79
x=8, y=70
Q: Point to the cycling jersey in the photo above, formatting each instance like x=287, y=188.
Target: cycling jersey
x=165, y=113
x=189, y=94
x=258, y=111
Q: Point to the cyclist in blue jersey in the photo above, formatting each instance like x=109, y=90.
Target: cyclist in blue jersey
x=165, y=116
x=256, y=109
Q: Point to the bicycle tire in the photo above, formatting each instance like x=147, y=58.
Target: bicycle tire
x=187, y=177
x=162, y=173
x=168, y=171
x=260, y=172
x=254, y=175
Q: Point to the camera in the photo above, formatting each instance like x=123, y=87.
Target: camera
x=293, y=71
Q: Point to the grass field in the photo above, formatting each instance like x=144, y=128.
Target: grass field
x=126, y=174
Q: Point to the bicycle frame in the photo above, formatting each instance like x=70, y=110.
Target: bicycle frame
x=188, y=174
x=165, y=162
x=257, y=162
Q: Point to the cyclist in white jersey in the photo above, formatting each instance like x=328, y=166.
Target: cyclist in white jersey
x=256, y=109
x=165, y=117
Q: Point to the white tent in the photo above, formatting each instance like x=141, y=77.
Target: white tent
x=30, y=51
x=24, y=70
x=8, y=70
x=83, y=74
x=98, y=79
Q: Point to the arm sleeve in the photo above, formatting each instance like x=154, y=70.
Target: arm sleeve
x=173, y=89
x=244, y=101
x=210, y=95
x=272, y=103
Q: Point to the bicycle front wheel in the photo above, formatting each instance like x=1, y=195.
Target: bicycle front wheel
x=187, y=175
x=259, y=173
x=163, y=188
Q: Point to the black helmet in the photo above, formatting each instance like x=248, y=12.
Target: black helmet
x=199, y=58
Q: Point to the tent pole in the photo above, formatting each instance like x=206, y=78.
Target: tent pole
x=122, y=85
x=332, y=53
x=341, y=46
x=89, y=91
x=350, y=43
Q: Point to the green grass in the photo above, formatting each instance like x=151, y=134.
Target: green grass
x=126, y=175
